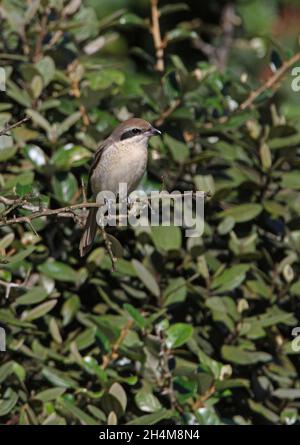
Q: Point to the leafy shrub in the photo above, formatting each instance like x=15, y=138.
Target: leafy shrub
x=186, y=330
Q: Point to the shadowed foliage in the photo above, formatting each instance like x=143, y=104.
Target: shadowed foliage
x=186, y=330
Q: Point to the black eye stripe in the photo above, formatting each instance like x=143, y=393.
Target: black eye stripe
x=130, y=133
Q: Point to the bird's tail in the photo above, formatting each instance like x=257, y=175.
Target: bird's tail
x=89, y=233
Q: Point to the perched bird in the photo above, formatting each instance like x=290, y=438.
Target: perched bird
x=121, y=158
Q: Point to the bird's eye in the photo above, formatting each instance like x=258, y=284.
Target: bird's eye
x=130, y=133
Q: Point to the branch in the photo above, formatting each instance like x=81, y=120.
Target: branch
x=165, y=114
x=108, y=358
x=155, y=31
x=219, y=55
x=7, y=128
x=69, y=212
x=270, y=82
x=8, y=286
x=107, y=243
x=63, y=212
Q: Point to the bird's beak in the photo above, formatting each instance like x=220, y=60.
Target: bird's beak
x=154, y=132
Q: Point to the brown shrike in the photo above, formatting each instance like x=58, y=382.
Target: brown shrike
x=121, y=158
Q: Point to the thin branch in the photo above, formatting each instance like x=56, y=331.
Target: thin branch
x=108, y=358
x=61, y=212
x=84, y=199
x=67, y=211
x=201, y=399
x=165, y=114
x=271, y=82
x=7, y=128
x=155, y=31
x=219, y=55
x=70, y=212
x=8, y=285
x=107, y=243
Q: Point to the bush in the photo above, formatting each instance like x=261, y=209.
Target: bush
x=186, y=330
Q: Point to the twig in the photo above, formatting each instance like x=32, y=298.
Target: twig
x=61, y=212
x=39, y=41
x=218, y=55
x=165, y=114
x=7, y=128
x=8, y=286
x=83, y=191
x=155, y=31
x=115, y=348
x=199, y=403
x=227, y=25
x=270, y=82
x=107, y=243
x=68, y=211
x=165, y=381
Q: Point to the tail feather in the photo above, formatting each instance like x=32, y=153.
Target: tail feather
x=89, y=232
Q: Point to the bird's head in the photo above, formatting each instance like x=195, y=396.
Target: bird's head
x=135, y=130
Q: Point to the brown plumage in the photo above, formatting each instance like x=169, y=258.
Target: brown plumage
x=122, y=157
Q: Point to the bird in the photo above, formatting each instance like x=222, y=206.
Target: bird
x=121, y=158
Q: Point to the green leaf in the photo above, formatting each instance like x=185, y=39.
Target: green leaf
x=171, y=8
x=38, y=311
x=136, y=316
x=287, y=393
x=33, y=296
x=58, y=271
x=46, y=67
x=291, y=180
x=49, y=394
x=12, y=367
x=224, y=310
x=146, y=277
x=7, y=240
x=259, y=408
x=92, y=366
x=68, y=123
x=36, y=86
x=7, y=148
x=118, y=392
x=230, y=278
x=207, y=416
x=64, y=186
x=240, y=356
x=20, y=256
x=6, y=405
x=105, y=79
x=166, y=237
x=179, y=33
x=58, y=378
x=178, y=334
x=178, y=149
x=152, y=419
x=146, y=401
x=132, y=20
x=36, y=155
x=69, y=309
x=70, y=156
x=226, y=225
x=39, y=120
x=242, y=213
x=86, y=338
x=175, y=292
x=78, y=413
x=286, y=142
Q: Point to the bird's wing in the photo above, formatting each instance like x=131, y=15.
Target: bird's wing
x=97, y=156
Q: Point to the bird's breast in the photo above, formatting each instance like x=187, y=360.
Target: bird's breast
x=120, y=163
